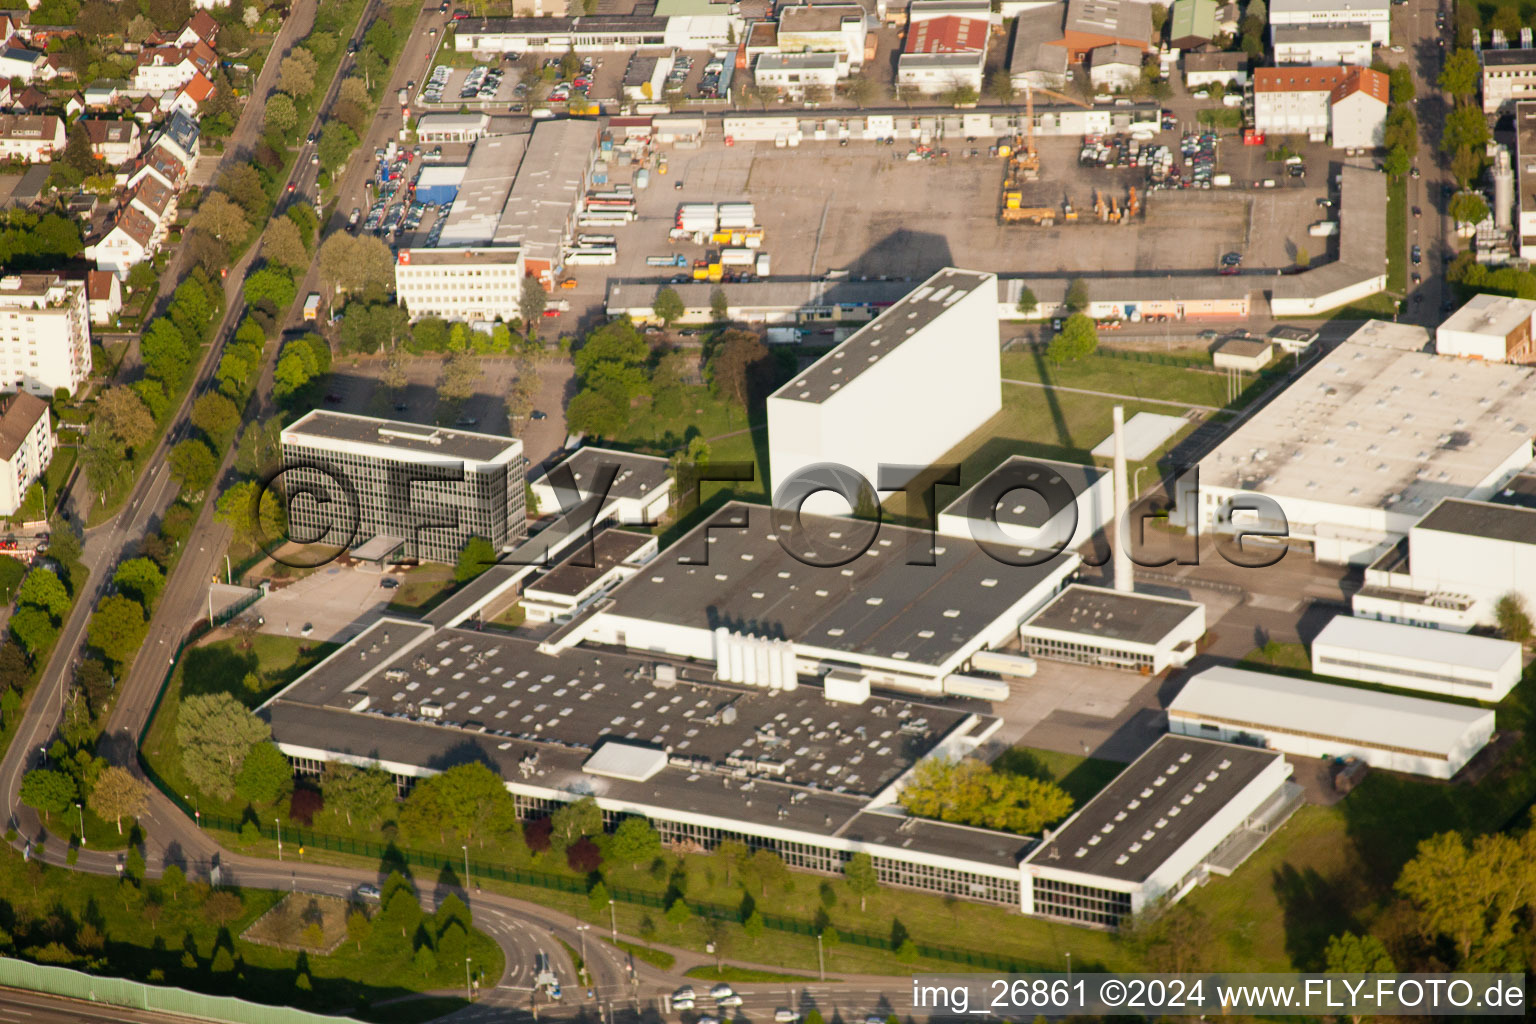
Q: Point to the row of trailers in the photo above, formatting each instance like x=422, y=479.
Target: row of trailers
x=601, y=210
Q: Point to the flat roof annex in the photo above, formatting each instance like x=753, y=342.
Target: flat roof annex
x=1430, y=646
x=1349, y=714
x=1023, y=507
x=1143, y=619
x=1484, y=519
x=1146, y=815
x=737, y=569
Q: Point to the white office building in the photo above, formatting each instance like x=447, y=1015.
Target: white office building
x=1186, y=810
x=586, y=574
x=1414, y=658
x=1509, y=76
x=45, y=334
x=874, y=399
x=26, y=447
x=628, y=488
x=1114, y=629
x=470, y=284
x=1311, y=719
x=1376, y=14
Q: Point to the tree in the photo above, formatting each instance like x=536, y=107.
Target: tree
x=216, y=732
x=192, y=463
x=634, y=841
x=678, y=913
x=337, y=141
x=254, y=513
x=34, y=630
x=141, y=579
x=1468, y=208
x=769, y=870
x=859, y=89
x=1403, y=89
x=1465, y=128
x=361, y=795
x=222, y=218
x=117, y=629
x=962, y=96
x=1398, y=163
x=668, y=306
x=740, y=367
x=271, y=288
x=461, y=372
x=1472, y=895
x=1000, y=85
x=296, y=74
x=1357, y=954
x=476, y=556
x=356, y=264
x=1077, y=298
x=1027, y=301
x=596, y=414
x=574, y=820
x=122, y=412
x=281, y=117
x=1078, y=339
x=12, y=572
x=425, y=961
x=531, y=304
x=971, y=793
x=46, y=790
x=1461, y=74
x=1512, y=617
x=15, y=673
x=859, y=870
x=118, y=795
x=583, y=856
x=42, y=589
x=264, y=776
x=358, y=927
x=215, y=415
x=467, y=800
x=719, y=306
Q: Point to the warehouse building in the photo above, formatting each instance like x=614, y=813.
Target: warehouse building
x=522, y=35
x=886, y=604
x=1414, y=658
x=1185, y=810
x=1454, y=565
x=1033, y=61
x=840, y=300
x=1363, y=445
x=1492, y=327
x=483, y=189
x=541, y=207
x=1037, y=503
x=1115, y=629
x=438, y=127
x=402, y=488
x=1135, y=297
x=856, y=406
x=945, y=46
x=1310, y=719
x=705, y=761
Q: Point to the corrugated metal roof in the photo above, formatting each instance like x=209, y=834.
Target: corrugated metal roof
x=1431, y=646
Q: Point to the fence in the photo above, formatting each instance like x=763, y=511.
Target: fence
x=71, y=984
x=1133, y=355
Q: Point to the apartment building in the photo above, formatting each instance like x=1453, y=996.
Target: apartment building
x=26, y=446
x=45, y=334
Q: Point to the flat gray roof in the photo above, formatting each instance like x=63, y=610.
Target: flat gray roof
x=1122, y=19
x=883, y=335
x=1024, y=508
x=877, y=604
x=320, y=425
x=502, y=255
x=572, y=576
x=1033, y=32
x=1482, y=519
x=548, y=186
x=1349, y=33
x=773, y=294
x=638, y=476
x=1096, y=611
x=1328, y=6
x=1508, y=58
x=482, y=196
x=1145, y=807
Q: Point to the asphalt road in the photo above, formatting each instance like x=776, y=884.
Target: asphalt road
x=1425, y=46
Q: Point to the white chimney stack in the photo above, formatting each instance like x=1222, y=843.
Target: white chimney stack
x=1120, y=542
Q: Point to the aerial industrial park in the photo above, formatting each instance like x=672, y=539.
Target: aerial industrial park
x=666, y=510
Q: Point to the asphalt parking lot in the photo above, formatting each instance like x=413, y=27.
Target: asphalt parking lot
x=336, y=602
x=867, y=209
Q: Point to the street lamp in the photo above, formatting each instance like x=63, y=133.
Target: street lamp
x=469, y=994
x=465, y=847
x=279, y=823
x=1069, y=970
x=229, y=574
x=197, y=807
x=821, y=965
x=582, y=930
x=613, y=922
x=81, y=812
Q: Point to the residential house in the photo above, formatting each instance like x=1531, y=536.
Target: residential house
x=162, y=69
x=20, y=63
x=32, y=100
x=157, y=202
x=104, y=291
x=127, y=243
x=115, y=141
x=200, y=28
x=180, y=135
x=104, y=93
x=1114, y=67
x=1350, y=104
x=33, y=138
x=189, y=99
x=1226, y=68
x=74, y=106
x=161, y=164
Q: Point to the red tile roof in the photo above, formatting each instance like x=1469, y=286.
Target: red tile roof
x=1338, y=82
x=198, y=89
x=949, y=34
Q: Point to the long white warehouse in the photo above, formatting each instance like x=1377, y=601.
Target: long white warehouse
x=1414, y=658
x=1310, y=719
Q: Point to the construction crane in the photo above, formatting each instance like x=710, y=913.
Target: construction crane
x=1029, y=162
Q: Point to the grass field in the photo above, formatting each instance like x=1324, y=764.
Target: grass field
x=1199, y=384
x=1397, y=235
x=421, y=587
x=1081, y=777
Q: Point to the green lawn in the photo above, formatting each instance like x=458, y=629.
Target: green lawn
x=171, y=937
x=655, y=957
x=1199, y=384
x=745, y=975
x=421, y=587
x=1081, y=777
x=220, y=665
